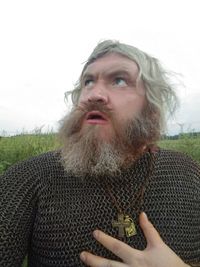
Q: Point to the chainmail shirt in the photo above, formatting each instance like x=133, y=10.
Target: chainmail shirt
x=50, y=215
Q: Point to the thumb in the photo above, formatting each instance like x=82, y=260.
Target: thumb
x=152, y=236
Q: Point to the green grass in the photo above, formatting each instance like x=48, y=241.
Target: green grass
x=185, y=144
x=18, y=148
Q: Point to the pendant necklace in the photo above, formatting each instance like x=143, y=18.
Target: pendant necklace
x=124, y=223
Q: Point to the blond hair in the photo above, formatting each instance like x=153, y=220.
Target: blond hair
x=160, y=93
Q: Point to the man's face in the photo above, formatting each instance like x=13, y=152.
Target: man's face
x=112, y=124
x=112, y=82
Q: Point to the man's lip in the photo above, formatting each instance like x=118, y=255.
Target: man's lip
x=96, y=121
x=94, y=113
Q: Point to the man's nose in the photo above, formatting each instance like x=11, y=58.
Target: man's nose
x=98, y=94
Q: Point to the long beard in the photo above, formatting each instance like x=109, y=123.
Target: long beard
x=84, y=153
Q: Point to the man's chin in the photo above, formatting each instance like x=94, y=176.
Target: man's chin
x=101, y=133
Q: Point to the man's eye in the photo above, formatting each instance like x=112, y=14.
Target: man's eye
x=88, y=82
x=120, y=81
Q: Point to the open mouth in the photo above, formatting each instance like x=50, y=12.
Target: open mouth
x=95, y=117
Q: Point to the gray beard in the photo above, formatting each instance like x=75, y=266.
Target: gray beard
x=83, y=161
x=84, y=154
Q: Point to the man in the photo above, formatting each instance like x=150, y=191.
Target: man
x=83, y=205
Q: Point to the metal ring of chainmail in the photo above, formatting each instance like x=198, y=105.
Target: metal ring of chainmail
x=50, y=215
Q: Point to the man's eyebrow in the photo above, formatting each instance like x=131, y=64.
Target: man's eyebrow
x=123, y=72
x=111, y=73
x=107, y=73
x=87, y=75
x=118, y=72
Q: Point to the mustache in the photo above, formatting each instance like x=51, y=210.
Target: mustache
x=73, y=121
x=94, y=105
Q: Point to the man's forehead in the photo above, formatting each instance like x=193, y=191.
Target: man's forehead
x=112, y=63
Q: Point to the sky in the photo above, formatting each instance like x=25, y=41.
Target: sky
x=44, y=43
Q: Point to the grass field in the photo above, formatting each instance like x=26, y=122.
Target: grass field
x=185, y=144
x=15, y=149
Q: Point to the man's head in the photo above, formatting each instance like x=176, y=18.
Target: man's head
x=119, y=105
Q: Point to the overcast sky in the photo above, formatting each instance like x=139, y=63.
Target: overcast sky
x=43, y=45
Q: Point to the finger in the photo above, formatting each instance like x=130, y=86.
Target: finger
x=119, y=248
x=152, y=236
x=96, y=261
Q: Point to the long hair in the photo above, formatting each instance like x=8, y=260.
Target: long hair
x=160, y=92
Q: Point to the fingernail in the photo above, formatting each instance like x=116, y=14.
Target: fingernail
x=82, y=256
x=145, y=215
x=96, y=234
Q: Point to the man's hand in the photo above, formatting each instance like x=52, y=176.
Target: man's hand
x=156, y=254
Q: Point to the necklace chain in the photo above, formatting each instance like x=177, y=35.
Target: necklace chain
x=140, y=194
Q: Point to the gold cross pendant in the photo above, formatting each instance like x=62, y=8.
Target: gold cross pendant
x=125, y=224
